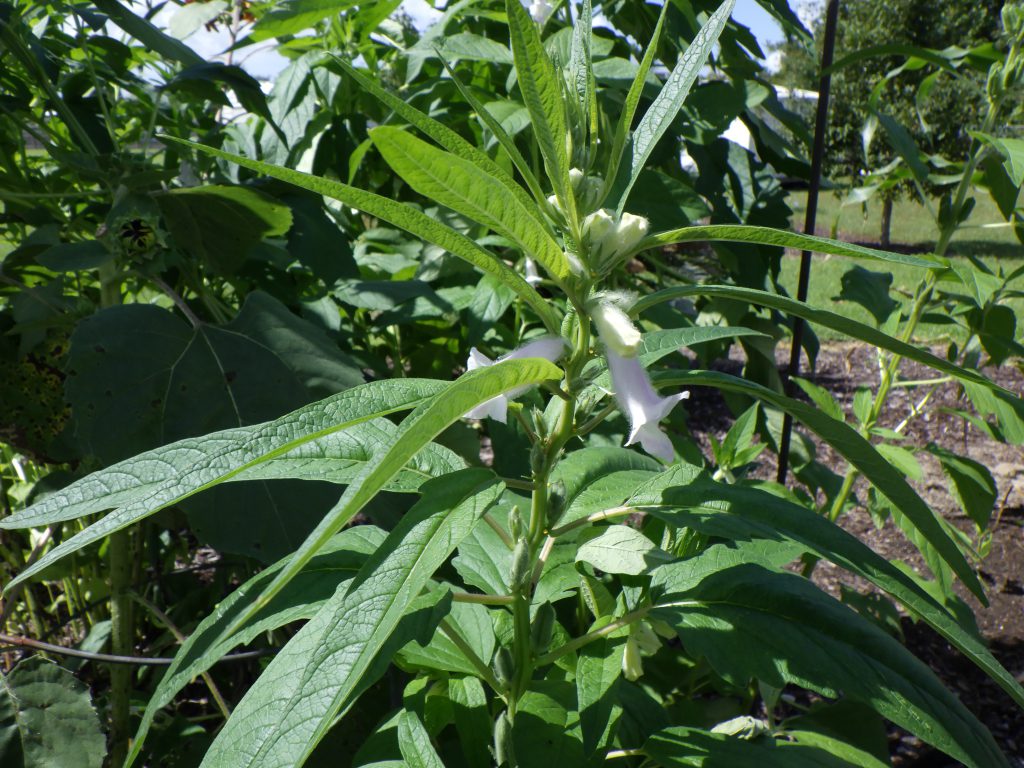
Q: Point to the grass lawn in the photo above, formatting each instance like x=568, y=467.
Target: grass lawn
x=912, y=225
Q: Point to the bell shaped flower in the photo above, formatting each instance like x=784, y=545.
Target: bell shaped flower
x=642, y=405
x=638, y=401
x=550, y=348
x=540, y=10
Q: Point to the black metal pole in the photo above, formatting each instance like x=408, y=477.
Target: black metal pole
x=810, y=219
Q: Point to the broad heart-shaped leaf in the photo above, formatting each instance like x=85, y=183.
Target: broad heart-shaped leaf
x=685, y=496
x=460, y=185
x=542, y=95
x=336, y=563
x=685, y=747
x=293, y=703
x=414, y=742
x=138, y=376
x=403, y=216
x=855, y=449
x=47, y=719
x=779, y=628
x=836, y=322
x=418, y=429
x=138, y=487
x=663, y=110
x=743, y=233
x=219, y=224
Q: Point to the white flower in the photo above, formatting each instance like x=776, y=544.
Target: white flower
x=532, y=275
x=549, y=347
x=616, y=329
x=641, y=405
x=608, y=238
x=540, y=10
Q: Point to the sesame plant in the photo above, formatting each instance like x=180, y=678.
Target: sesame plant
x=593, y=592
x=969, y=299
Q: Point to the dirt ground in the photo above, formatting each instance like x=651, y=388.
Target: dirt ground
x=841, y=368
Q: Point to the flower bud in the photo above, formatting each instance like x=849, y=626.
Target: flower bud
x=632, y=665
x=616, y=329
x=609, y=239
x=543, y=628
x=586, y=188
x=503, y=740
x=520, y=572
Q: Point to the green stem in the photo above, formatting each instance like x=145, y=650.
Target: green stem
x=578, y=642
x=471, y=656
x=122, y=626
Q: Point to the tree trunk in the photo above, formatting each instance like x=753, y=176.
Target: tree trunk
x=886, y=222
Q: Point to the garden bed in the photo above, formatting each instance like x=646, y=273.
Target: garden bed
x=841, y=368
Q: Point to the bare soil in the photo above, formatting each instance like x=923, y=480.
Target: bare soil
x=842, y=368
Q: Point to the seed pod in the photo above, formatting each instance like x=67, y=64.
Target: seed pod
x=503, y=666
x=502, y=740
x=556, y=501
x=515, y=524
x=520, y=573
x=543, y=628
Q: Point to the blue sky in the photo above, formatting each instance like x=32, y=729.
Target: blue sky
x=267, y=63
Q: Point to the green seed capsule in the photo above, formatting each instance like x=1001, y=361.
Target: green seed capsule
x=502, y=740
x=543, y=628
x=503, y=666
x=520, y=573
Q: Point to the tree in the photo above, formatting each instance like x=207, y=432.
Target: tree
x=938, y=121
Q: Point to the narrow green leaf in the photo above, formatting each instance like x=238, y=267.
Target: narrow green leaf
x=418, y=429
x=506, y=141
x=138, y=487
x=403, y=216
x=317, y=675
x=539, y=84
x=855, y=449
x=740, y=233
x=149, y=35
x=777, y=627
x=686, y=496
x=463, y=187
x=663, y=111
x=341, y=456
x=336, y=564
x=414, y=743
x=970, y=483
x=293, y=16
x=581, y=69
x=636, y=90
x=832, y=320
x=441, y=133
